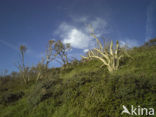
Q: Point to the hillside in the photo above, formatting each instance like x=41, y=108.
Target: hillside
x=84, y=89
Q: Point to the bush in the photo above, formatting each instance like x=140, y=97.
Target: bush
x=10, y=97
x=43, y=90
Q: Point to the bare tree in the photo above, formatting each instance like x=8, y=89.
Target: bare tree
x=50, y=52
x=62, y=51
x=23, y=49
x=56, y=51
x=42, y=67
x=21, y=66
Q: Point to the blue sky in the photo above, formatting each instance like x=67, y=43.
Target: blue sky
x=34, y=22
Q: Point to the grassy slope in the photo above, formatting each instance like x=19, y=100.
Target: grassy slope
x=86, y=90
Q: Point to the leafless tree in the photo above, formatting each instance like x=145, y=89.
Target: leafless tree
x=62, y=51
x=50, y=52
x=23, y=49
x=21, y=65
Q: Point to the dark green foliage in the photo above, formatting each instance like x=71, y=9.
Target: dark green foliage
x=104, y=97
x=85, y=89
x=10, y=97
x=151, y=42
x=43, y=90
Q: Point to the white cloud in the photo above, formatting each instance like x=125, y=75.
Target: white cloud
x=78, y=35
x=77, y=39
x=129, y=42
x=100, y=25
x=9, y=45
x=85, y=50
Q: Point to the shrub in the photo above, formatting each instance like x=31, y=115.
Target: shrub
x=43, y=90
x=10, y=97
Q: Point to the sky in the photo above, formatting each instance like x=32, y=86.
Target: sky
x=34, y=22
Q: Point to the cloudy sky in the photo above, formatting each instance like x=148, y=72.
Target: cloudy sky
x=34, y=22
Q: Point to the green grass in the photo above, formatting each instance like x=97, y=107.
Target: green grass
x=86, y=90
x=85, y=68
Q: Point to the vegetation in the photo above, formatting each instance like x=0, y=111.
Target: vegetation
x=110, y=57
x=21, y=65
x=57, y=51
x=82, y=90
x=151, y=42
